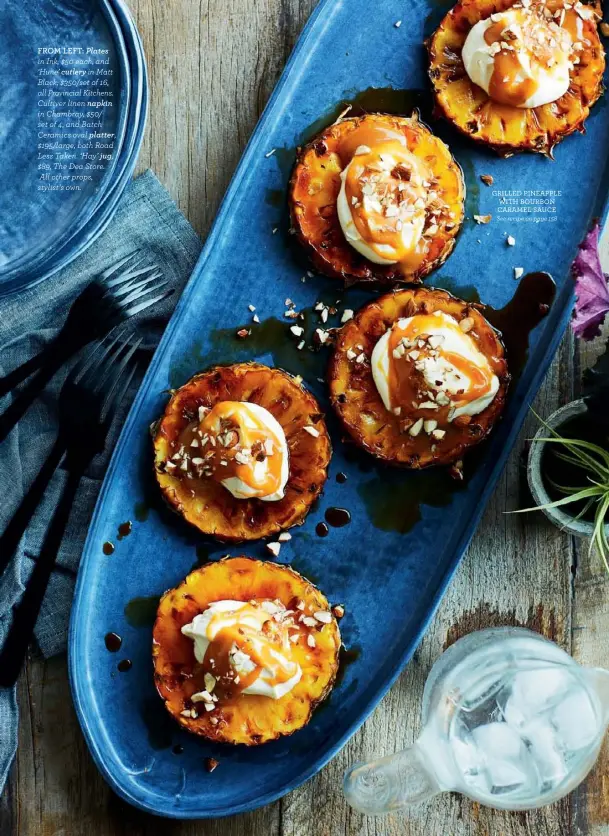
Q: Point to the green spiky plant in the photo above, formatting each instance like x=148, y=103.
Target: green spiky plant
x=593, y=461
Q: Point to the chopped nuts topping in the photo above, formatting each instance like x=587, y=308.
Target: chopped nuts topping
x=274, y=548
x=416, y=428
x=311, y=430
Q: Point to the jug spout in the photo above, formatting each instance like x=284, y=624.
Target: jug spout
x=387, y=784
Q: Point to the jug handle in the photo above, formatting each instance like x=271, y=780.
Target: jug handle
x=387, y=784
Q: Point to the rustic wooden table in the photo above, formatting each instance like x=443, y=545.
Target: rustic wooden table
x=212, y=67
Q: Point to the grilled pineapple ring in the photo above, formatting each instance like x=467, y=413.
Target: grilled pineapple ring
x=509, y=129
x=314, y=189
x=358, y=404
x=244, y=718
x=207, y=504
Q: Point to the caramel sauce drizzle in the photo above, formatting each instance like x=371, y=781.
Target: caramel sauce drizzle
x=404, y=380
x=400, y=188
x=267, y=646
x=228, y=447
x=507, y=84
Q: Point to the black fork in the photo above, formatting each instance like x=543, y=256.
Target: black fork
x=120, y=292
x=87, y=403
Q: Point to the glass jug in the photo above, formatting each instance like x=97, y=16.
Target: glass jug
x=509, y=719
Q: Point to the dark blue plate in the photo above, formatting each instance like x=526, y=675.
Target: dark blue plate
x=127, y=159
x=391, y=565
x=37, y=218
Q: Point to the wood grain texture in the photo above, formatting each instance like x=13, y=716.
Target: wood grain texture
x=212, y=67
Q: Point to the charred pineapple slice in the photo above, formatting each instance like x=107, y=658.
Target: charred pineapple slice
x=316, y=183
x=509, y=129
x=244, y=718
x=357, y=402
x=206, y=503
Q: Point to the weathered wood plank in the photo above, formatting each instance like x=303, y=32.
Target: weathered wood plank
x=591, y=634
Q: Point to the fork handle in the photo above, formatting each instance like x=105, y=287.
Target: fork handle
x=12, y=534
x=66, y=343
x=51, y=360
x=26, y=612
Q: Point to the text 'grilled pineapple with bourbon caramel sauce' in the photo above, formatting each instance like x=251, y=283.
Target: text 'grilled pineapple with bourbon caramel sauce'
x=417, y=377
x=241, y=451
x=377, y=198
x=244, y=650
x=518, y=75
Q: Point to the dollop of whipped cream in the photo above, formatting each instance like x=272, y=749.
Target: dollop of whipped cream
x=429, y=366
x=241, y=445
x=245, y=647
x=382, y=202
x=520, y=57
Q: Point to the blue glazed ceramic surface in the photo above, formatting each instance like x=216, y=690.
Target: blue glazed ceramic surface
x=391, y=564
x=41, y=231
x=81, y=238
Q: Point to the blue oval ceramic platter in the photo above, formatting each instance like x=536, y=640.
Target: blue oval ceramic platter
x=408, y=531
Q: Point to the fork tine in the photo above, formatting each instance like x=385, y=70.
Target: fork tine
x=117, y=266
x=91, y=360
x=128, y=275
x=116, y=392
x=109, y=385
x=138, y=293
x=132, y=286
x=146, y=303
x=105, y=370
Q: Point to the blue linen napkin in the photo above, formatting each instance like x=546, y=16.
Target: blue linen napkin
x=146, y=220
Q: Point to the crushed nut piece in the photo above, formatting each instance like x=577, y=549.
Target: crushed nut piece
x=416, y=428
x=482, y=219
x=274, y=548
x=487, y=179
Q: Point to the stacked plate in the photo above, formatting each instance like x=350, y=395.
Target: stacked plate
x=73, y=104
